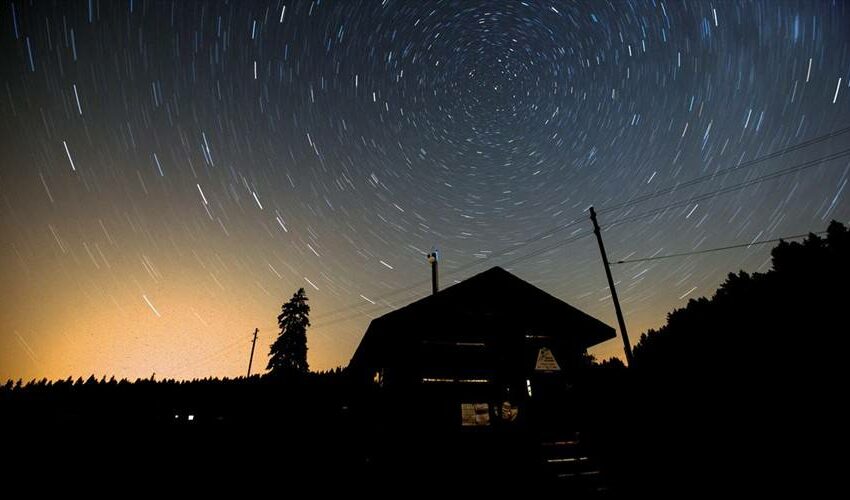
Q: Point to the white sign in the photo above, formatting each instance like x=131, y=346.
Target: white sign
x=546, y=361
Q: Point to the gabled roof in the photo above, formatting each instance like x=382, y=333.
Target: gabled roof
x=492, y=298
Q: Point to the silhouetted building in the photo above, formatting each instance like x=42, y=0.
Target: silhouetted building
x=486, y=352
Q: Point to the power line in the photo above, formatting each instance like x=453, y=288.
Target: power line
x=735, y=187
x=740, y=166
x=376, y=299
x=207, y=358
x=660, y=210
x=535, y=253
x=210, y=356
x=635, y=201
x=728, y=189
x=693, y=182
x=543, y=250
x=509, y=263
x=717, y=249
x=505, y=251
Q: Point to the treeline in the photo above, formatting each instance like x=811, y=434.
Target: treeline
x=206, y=432
x=91, y=381
x=784, y=318
x=741, y=388
x=168, y=401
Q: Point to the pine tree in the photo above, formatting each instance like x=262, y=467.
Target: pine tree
x=289, y=351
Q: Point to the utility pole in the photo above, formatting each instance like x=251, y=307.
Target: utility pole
x=253, y=344
x=626, y=345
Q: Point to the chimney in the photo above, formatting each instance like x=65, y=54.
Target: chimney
x=433, y=258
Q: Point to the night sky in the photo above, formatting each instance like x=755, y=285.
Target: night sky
x=172, y=172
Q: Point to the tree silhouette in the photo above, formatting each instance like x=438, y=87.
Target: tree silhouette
x=762, y=321
x=730, y=379
x=289, y=351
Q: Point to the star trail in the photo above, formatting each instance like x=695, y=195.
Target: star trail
x=172, y=172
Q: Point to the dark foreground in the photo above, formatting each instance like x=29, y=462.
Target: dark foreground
x=270, y=437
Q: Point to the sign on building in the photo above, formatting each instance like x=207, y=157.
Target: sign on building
x=546, y=361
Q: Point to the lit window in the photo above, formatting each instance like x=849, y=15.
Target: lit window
x=528, y=386
x=191, y=418
x=475, y=414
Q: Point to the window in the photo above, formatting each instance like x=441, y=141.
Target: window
x=474, y=414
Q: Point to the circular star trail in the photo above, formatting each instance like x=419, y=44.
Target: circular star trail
x=173, y=171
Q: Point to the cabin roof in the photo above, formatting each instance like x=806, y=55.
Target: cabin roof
x=485, y=302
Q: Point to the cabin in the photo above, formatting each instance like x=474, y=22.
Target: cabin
x=492, y=351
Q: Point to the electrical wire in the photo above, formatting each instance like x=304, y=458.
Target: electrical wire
x=716, y=249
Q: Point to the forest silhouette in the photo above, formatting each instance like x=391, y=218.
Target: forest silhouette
x=737, y=392
x=740, y=391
